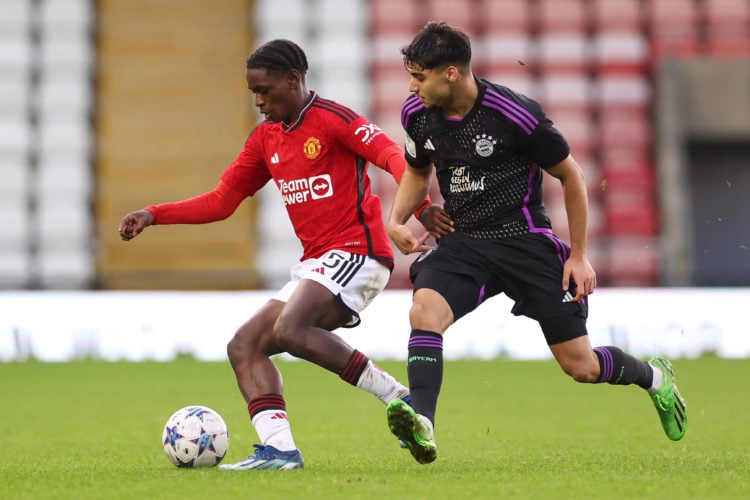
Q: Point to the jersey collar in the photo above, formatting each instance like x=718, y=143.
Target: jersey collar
x=296, y=123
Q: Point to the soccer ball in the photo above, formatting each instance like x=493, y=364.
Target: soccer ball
x=195, y=436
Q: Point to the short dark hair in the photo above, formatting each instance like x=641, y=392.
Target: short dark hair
x=279, y=56
x=438, y=44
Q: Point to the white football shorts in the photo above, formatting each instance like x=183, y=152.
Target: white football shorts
x=355, y=279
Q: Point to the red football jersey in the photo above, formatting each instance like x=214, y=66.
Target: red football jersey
x=319, y=164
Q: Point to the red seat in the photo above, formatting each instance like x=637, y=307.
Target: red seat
x=630, y=261
x=620, y=15
x=394, y=16
x=673, y=28
x=560, y=15
x=727, y=27
x=508, y=16
x=625, y=126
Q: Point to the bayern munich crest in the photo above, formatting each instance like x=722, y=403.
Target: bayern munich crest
x=484, y=145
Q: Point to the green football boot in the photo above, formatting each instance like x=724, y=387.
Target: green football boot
x=668, y=402
x=413, y=430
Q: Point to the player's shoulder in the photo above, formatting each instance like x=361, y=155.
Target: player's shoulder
x=496, y=91
x=333, y=110
x=514, y=106
x=412, y=107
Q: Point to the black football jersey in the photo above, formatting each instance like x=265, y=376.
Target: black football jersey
x=489, y=165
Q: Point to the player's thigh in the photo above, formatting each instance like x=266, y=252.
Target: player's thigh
x=312, y=304
x=460, y=294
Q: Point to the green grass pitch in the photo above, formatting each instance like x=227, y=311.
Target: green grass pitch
x=505, y=429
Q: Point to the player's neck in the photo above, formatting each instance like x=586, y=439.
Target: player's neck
x=463, y=97
x=304, y=99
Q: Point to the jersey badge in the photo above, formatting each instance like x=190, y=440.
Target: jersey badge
x=484, y=145
x=312, y=147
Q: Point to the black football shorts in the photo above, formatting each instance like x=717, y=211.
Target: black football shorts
x=528, y=269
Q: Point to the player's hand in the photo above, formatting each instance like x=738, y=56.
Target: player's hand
x=437, y=221
x=405, y=241
x=580, y=271
x=132, y=224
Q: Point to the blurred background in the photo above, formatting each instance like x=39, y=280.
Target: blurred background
x=107, y=106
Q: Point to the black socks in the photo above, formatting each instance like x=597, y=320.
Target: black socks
x=619, y=368
x=425, y=370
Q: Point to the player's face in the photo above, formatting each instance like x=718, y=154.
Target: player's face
x=431, y=85
x=276, y=95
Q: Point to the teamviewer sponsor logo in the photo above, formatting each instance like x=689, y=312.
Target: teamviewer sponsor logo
x=302, y=190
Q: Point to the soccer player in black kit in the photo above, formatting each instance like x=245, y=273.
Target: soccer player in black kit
x=490, y=147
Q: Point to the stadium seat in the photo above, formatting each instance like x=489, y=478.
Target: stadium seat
x=15, y=268
x=502, y=18
x=15, y=53
x=673, y=28
x=460, y=13
x=726, y=25
x=15, y=17
x=566, y=89
x=499, y=51
x=576, y=124
x=631, y=261
x=75, y=17
x=15, y=137
x=620, y=52
x=615, y=89
x=336, y=18
x=625, y=126
x=552, y=16
x=630, y=211
x=566, y=51
x=394, y=17
x=389, y=90
x=620, y=15
x=64, y=92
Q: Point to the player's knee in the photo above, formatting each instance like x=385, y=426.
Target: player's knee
x=284, y=335
x=235, y=350
x=427, y=318
x=581, y=372
x=243, y=345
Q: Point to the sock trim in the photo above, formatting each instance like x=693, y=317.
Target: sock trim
x=266, y=402
x=354, y=367
x=606, y=363
x=422, y=338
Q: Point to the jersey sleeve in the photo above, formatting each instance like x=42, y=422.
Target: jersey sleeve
x=545, y=146
x=414, y=146
x=249, y=172
x=364, y=138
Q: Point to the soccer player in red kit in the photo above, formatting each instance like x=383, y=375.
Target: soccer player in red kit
x=317, y=152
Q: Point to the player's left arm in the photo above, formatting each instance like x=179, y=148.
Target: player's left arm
x=433, y=217
x=578, y=267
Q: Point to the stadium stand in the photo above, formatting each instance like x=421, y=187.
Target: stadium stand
x=166, y=107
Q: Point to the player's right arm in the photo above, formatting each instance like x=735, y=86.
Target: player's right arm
x=411, y=192
x=243, y=178
x=209, y=207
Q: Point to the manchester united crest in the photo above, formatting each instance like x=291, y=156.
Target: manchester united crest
x=311, y=148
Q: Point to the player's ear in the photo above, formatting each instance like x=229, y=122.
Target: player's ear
x=452, y=74
x=293, y=78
